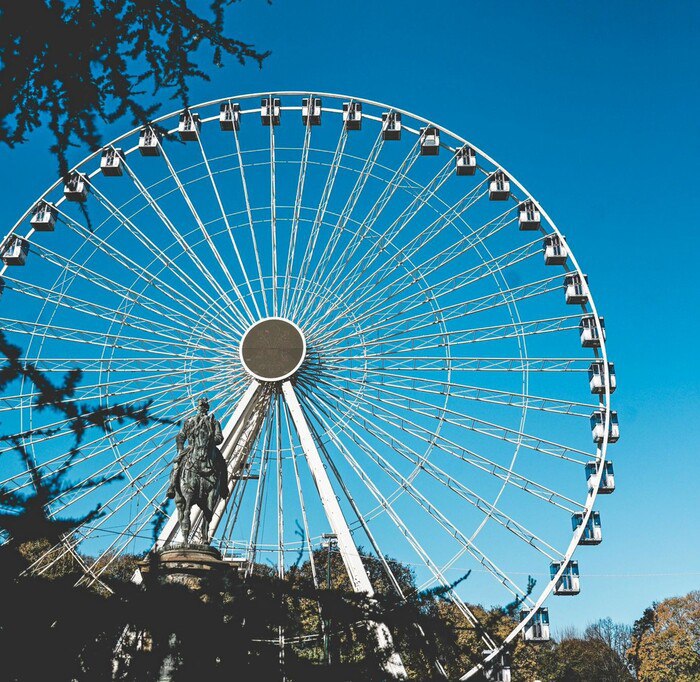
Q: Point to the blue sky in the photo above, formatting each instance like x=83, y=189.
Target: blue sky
x=594, y=107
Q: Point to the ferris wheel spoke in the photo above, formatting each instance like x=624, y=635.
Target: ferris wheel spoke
x=158, y=255
x=207, y=237
x=68, y=302
x=98, y=338
x=384, y=396
x=386, y=238
x=396, y=518
x=319, y=217
x=406, y=253
x=435, y=513
x=428, y=363
x=106, y=284
x=481, y=393
x=229, y=311
x=246, y=198
x=402, y=324
x=457, y=282
x=327, y=274
x=266, y=437
x=117, y=364
x=343, y=218
x=57, y=430
x=423, y=342
x=422, y=463
x=236, y=250
x=484, y=464
x=273, y=217
x=295, y=216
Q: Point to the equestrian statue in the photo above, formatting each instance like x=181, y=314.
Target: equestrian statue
x=199, y=475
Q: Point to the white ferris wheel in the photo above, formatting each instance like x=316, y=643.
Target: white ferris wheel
x=399, y=342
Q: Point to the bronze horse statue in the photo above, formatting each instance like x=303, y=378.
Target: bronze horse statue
x=199, y=476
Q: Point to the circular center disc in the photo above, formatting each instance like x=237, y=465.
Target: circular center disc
x=273, y=349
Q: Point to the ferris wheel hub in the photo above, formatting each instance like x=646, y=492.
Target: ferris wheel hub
x=273, y=349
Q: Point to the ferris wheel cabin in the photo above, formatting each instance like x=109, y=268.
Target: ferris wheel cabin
x=311, y=108
x=44, y=217
x=576, y=288
x=588, y=330
x=499, y=186
x=528, y=216
x=352, y=115
x=607, y=480
x=148, y=142
x=499, y=668
x=76, y=187
x=555, y=251
x=270, y=111
x=189, y=126
x=597, y=378
x=15, y=250
x=569, y=583
x=111, y=162
x=598, y=427
x=593, y=532
x=429, y=141
x=391, y=125
x=537, y=630
x=465, y=159
x=230, y=116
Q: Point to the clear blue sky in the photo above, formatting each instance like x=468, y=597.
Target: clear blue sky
x=593, y=106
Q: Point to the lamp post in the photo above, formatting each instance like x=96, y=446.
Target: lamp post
x=329, y=541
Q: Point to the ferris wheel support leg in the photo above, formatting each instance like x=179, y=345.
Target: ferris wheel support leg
x=351, y=557
x=232, y=432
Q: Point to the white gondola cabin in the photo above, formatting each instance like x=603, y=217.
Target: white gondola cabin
x=76, y=187
x=498, y=669
x=270, y=111
x=429, y=141
x=44, y=217
x=465, y=159
x=528, y=216
x=555, y=251
x=588, y=330
x=189, y=126
x=597, y=379
x=391, y=125
x=352, y=115
x=230, y=116
x=598, y=427
x=15, y=250
x=149, y=144
x=569, y=582
x=576, y=288
x=537, y=630
x=111, y=162
x=593, y=532
x=311, y=108
x=499, y=186
x=607, y=480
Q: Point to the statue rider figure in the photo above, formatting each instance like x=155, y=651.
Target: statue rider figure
x=201, y=431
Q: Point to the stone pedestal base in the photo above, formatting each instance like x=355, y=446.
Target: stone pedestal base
x=198, y=567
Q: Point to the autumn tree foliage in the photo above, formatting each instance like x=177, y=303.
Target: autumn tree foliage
x=666, y=641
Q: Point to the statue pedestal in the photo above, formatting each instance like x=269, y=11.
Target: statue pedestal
x=201, y=570
x=197, y=567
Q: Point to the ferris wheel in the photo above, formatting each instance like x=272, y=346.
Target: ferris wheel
x=400, y=344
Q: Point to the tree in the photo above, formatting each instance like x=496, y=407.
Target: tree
x=666, y=641
x=68, y=63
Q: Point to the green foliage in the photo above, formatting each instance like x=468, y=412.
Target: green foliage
x=68, y=63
